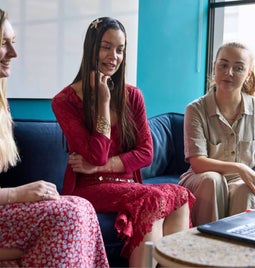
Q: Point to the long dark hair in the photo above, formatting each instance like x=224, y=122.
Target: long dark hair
x=119, y=101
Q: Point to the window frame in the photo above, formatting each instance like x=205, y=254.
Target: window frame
x=213, y=40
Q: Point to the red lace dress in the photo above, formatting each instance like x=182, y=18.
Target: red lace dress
x=61, y=233
x=137, y=205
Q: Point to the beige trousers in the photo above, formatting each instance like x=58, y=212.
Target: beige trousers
x=216, y=196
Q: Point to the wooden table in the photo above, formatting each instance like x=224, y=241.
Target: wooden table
x=193, y=249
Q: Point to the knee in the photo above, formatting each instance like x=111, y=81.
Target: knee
x=242, y=191
x=70, y=211
x=211, y=178
x=209, y=183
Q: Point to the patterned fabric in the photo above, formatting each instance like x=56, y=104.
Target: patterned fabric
x=62, y=233
x=137, y=205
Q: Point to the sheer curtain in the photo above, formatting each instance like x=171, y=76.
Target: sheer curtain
x=49, y=39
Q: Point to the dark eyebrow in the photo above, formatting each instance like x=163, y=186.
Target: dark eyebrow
x=103, y=41
x=109, y=43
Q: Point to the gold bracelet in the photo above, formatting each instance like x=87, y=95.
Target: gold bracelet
x=103, y=125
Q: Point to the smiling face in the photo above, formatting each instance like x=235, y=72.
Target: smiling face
x=111, y=52
x=232, y=68
x=7, y=51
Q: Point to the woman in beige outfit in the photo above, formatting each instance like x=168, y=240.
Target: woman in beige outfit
x=219, y=138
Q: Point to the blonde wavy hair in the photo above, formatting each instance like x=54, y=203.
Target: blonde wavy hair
x=8, y=150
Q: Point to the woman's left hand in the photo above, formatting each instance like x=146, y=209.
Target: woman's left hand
x=34, y=191
x=248, y=175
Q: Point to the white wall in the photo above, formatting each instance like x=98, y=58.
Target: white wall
x=49, y=40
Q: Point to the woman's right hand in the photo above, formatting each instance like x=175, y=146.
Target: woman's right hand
x=34, y=191
x=104, y=91
x=248, y=176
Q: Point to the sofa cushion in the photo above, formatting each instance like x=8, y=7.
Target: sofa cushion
x=43, y=156
x=168, y=160
x=169, y=178
x=42, y=153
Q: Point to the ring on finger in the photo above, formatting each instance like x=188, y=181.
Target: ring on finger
x=48, y=192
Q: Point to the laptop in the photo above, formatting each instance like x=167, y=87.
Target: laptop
x=238, y=227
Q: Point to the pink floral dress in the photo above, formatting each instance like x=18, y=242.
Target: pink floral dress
x=62, y=233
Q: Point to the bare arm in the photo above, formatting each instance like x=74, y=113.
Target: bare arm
x=201, y=164
x=31, y=192
x=103, y=120
x=9, y=254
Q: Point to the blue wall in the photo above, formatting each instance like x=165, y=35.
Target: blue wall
x=31, y=109
x=171, y=53
x=171, y=58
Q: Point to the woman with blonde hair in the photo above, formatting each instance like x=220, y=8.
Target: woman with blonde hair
x=219, y=139
x=40, y=228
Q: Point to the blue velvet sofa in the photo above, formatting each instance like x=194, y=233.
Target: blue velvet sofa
x=43, y=156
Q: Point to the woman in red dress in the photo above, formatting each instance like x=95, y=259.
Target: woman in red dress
x=38, y=227
x=104, y=122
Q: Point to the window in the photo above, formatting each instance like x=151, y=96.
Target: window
x=49, y=40
x=230, y=21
